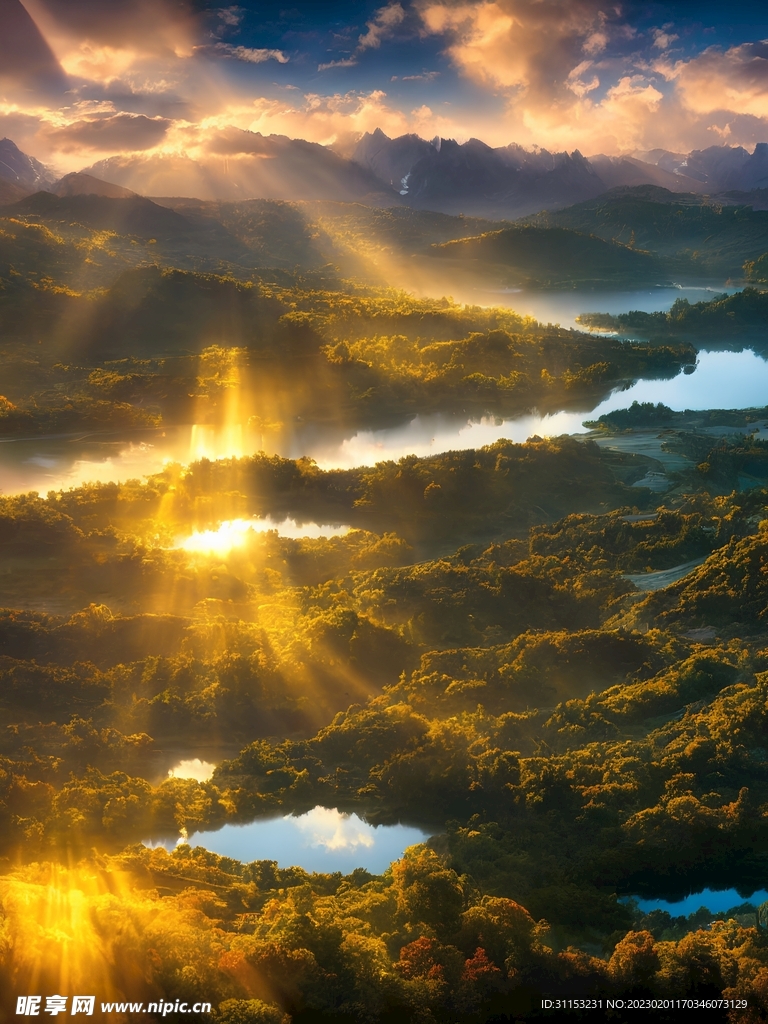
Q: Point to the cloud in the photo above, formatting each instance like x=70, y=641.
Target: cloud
x=733, y=80
x=335, y=831
x=576, y=82
x=662, y=39
x=381, y=26
x=118, y=133
x=98, y=63
x=552, y=65
x=425, y=76
x=248, y=54
x=315, y=117
x=346, y=62
x=230, y=16
x=530, y=46
x=336, y=120
x=577, y=74
x=166, y=77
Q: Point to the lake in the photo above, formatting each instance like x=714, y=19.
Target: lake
x=324, y=839
x=722, y=380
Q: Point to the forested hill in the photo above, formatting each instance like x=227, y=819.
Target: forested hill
x=697, y=235
x=166, y=346
x=726, y=321
x=644, y=234
x=554, y=257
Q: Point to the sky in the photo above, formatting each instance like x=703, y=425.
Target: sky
x=81, y=80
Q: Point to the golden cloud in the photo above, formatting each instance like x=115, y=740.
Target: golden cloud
x=98, y=63
x=734, y=80
x=550, y=69
x=531, y=46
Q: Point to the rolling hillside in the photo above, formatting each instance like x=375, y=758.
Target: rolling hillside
x=704, y=236
x=551, y=258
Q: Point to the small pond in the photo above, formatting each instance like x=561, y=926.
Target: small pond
x=324, y=839
x=716, y=901
x=235, y=533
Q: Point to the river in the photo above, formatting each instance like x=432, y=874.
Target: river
x=721, y=380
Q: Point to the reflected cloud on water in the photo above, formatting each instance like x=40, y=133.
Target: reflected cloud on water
x=329, y=828
x=324, y=839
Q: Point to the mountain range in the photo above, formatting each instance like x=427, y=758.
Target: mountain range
x=470, y=178
x=384, y=234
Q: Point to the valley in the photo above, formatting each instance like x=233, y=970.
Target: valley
x=382, y=578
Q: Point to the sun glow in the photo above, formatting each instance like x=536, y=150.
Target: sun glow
x=235, y=533
x=193, y=768
x=210, y=442
x=58, y=920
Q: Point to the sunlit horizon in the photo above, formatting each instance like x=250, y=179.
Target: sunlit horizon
x=178, y=83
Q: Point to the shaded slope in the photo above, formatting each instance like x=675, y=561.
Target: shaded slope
x=729, y=591
x=703, y=235
x=552, y=257
x=77, y=184
x=131, y=215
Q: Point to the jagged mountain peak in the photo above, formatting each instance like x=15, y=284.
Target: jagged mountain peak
x=21, y=170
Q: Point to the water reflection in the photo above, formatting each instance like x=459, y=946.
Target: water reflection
x=723, y=380
x=323, y=839
x=193, y=768
x=234, y=533
x=563, y=307
x=716, y=901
